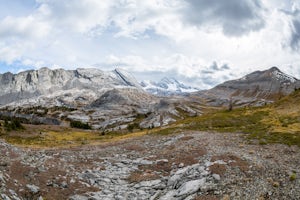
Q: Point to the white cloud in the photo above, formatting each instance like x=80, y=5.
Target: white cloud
x=76, y=15
x=13, y=50
x=175, y=37
x=234, y=17
x=23, y=27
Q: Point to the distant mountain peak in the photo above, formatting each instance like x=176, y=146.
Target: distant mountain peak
x=127, y=77
x=167, y=86
x=273, y=73
x=169, y=80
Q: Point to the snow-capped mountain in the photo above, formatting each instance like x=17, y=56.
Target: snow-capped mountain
x=166, y=87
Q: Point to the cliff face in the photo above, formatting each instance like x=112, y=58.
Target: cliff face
x=82, y=84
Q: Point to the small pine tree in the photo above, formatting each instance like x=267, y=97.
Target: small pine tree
x=5, y=123
x=130, y=128
x=16, y=124
x=13, y=125
x=230, y=104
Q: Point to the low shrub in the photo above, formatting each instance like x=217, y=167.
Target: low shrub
x=79, y=124
x=13, y=125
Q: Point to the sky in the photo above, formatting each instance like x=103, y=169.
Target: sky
x=199, y=42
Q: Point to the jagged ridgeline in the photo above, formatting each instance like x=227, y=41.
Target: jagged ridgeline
x=106, y=100
x=114, y=100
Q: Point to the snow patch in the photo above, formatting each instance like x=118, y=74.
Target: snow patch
x=282, y=77
x=167, y=86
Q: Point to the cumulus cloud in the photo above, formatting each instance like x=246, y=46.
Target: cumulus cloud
x=23, y=27
x=215, y=67
x=76, y=15
x=189, y=39
x=235, y=17
x=132, y=18
x=123, y=18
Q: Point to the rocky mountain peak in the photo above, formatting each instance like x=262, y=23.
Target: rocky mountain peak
x=258, y=86
x=272, y=74
x=274, y=68
x=127, y=77
x=282, y=77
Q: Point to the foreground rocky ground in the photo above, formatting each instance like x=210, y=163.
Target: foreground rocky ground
x=189, y=165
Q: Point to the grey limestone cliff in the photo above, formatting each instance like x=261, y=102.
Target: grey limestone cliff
x=61, y=85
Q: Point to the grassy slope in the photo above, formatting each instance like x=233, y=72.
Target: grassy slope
x=276, y=123
x=40, y=136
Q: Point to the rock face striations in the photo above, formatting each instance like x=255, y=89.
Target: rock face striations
x=59, y=86
x=106, y=100
x=254, y=89
x=113, y=100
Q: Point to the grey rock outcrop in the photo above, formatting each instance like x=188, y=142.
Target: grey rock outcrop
x=59, y=86
x=106, y=100
x=74, y=94
x=256, y=88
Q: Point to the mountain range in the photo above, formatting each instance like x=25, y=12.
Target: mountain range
x=113, y=100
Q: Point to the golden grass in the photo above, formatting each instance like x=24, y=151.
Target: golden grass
x=67, y=137
x=276, y=123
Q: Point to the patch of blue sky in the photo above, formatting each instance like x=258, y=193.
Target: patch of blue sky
x=14, y=67
x=17, y=8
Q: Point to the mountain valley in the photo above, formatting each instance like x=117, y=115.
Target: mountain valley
x=238, y=140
